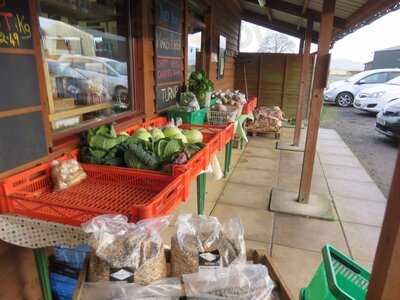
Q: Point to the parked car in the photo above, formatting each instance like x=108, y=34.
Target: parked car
x=373, y=99
x=70, y=83
x=342, y=93
x=112, y=74
x=388, y=120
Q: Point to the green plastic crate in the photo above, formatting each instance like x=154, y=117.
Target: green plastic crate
x=338, y=277
x=197, y=117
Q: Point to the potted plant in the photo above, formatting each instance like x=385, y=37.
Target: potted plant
x=201, y=87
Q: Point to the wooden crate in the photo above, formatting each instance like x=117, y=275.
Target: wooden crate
x=254, y=256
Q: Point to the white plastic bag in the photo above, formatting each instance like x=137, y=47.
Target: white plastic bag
x=126, y=251
x=239, y=282
x=165, y=289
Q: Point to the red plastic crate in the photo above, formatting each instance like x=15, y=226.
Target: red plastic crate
x=134, y=193
x=250, y=106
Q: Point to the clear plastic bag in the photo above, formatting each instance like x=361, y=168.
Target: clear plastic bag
x=239, y=282
x=165, y=289
x=202, y=242
x=126, y=251
x=66, y=173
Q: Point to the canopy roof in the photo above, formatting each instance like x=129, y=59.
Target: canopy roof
x=290, y=16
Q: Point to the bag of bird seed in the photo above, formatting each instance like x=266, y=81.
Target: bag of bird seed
x=202, y=243
x=126, y=252
x=239, y=282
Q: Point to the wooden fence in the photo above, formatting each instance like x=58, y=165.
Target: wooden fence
x=273, y=78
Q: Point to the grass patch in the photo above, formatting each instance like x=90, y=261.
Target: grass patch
x=328, y=114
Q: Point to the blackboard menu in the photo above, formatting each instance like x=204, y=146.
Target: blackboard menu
x=15, y=24
x=168, y=51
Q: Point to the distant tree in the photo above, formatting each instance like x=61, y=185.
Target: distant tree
x=277, y=43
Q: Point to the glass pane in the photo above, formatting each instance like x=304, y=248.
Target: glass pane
x=85, y=47
x=194, y=52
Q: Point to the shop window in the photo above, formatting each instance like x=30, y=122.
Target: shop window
x=221, y=57
x=85, y=45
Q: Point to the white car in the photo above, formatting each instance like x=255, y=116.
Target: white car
x=343, y=92
x=112, y=74
x=373, y=99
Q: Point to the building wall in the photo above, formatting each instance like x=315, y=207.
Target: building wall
x=274, y=78
x=386, y=59
x=226, y=20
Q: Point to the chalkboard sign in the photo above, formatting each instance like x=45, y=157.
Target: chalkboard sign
x=168, y=51
x=168, y=70
x=15, y=24
x=168, y=43
x=168, y=15
x=19, y=86
x=22, y=140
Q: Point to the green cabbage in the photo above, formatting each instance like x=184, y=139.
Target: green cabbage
x=170, y=132
x=157, y=134
x=142, y=134
x=193, y=136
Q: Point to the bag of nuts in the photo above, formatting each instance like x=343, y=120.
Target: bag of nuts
x=202, y=242
x=125, y=251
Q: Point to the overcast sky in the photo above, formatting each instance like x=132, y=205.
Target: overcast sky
x=358, y=46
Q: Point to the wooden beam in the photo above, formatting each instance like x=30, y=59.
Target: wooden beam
x=385, y=280
x=304, y=76
x=299, y=11
x=276, y=25
x=321, y=76
x=367, y=11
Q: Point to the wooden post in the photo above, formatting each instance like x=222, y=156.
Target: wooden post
x=301, y=46
x=385, y=280
x=305, y=70
x=321, y=74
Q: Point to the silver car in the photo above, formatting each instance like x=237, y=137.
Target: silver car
x=342, y=93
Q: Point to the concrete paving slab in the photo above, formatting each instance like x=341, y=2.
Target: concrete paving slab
x=266, y=164
x=333, y=159
x=255, y=245
x=246, y=195
x=360, y=211
x=291, y=182
x=306, y=233
x=336, y=150
x=288, y=146
x=354, y=189
x=296, y=266
x=363, y=240
x=261, y=152
x=350, y=173
x=257, y=223
x=319, y=206
x=261, y=142
x=253, y=177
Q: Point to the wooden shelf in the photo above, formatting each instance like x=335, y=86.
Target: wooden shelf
x=79, y=110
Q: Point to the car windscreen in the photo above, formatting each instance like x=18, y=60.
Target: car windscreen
x=120, y=67
x=357, y=77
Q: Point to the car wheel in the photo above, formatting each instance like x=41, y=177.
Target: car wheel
x=344, y=99
x=121, y=95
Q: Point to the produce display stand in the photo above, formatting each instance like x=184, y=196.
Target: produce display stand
x=215, y=138
x=134, y=193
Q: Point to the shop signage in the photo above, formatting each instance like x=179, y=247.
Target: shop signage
x=15, y=24
x=168, y=51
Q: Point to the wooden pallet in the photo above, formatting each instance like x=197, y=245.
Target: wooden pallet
x=260, y=132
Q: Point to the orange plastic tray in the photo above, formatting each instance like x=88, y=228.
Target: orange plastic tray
x=250, y=106
x=136, y=194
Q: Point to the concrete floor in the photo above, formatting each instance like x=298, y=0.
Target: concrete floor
x=293, y=242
